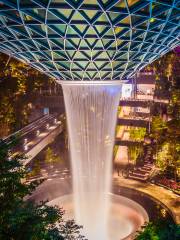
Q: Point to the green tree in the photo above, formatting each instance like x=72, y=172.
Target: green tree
x=167, y=144
x=65, y=130
x=158, y=128
x=159, y=230
x=174, y=106
x=167, y=73
x=162, y=157
x=6, y=115
x=135, y=152
x=148, y=233
x=25, y=220
x=173, y=139
x=166, y=135
x=51, y=157
x=137, y=134
x=36, y=169
x=18, y=83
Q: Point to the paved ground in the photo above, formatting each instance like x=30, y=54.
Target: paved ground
x=168, y=198
x=59, y=183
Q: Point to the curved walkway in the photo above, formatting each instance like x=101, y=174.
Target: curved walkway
x=168, y=198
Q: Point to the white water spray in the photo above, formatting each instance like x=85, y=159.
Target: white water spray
x=91, y=115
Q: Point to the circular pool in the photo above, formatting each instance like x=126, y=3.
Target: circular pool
x=125, y=216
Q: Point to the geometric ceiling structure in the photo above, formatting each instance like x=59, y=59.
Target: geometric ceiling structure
x=89, y=39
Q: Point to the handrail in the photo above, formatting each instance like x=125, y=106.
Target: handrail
x=29, y=127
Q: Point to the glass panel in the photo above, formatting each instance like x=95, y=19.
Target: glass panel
x=95, y=2
x=66, y=12
x=77, y=16
x=51, y=16
x=57, y=1
x=90, y=13
x=121, y=4
x=132, y=2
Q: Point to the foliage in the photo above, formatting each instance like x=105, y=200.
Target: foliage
x=17, y=84
x=168, y=158
x=25, y=220
x=36, y=169
x=115, y=150
x=166, y=135
x=6, y=115
x=119, y=110
x=51, y=157
x=65, y=130
x=158, y=129
x=159, y=230
x=135, y=152
x=167, y=74
x=162, y=157
x=174, y=106
x=167, y=143
x=137, y=134
x=119, y=130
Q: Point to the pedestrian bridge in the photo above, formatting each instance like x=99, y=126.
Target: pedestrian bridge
x=134, y=102
x=36, y=136
x=121, y=142
x=133, y=122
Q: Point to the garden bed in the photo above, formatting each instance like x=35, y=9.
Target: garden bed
x=168, y=184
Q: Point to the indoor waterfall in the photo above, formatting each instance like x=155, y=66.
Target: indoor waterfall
x=91, y=110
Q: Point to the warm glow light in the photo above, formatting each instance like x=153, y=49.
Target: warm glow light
x=25, y=147
x=37, y=133
x=127, y=90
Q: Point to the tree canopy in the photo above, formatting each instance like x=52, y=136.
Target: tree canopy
x=159, y=230
x=26, y=220
x=18, y=82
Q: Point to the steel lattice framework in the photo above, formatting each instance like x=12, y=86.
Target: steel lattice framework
x=89, y=39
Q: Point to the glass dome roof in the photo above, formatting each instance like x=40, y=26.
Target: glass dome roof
x=89, y=40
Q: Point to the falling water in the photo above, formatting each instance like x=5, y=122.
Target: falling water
x=91, y=114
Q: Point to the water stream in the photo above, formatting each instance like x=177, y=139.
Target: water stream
x=91, y=111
